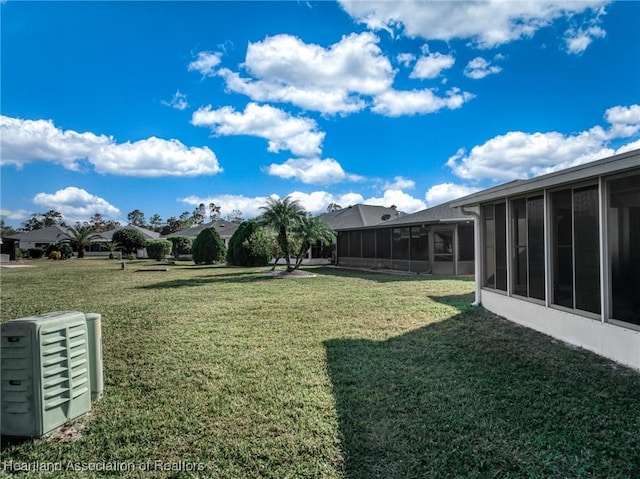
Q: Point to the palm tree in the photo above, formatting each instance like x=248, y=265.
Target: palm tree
x=82, y=236
x=308, y=232
x=282, y=215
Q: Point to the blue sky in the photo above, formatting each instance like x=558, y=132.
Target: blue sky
x=159, y=106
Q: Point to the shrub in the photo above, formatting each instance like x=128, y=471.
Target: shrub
x=62, y=247
x=181, y=245
x=19, y=253
x=130, y=239
x=158, y=249
x=35, y=253
x=65, y=250
x=55, y=255
x=208, y=247
x=240, y=251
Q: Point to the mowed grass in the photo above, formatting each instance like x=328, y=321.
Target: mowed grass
x=343, y=375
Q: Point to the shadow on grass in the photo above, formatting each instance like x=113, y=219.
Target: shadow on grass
x=477, y=396
x=237, y=277
x=383, y=276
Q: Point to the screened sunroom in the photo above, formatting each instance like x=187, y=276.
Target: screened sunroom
x=437, y=240
x=561, y=253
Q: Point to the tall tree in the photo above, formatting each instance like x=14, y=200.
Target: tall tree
x=235, y=217
x=136, y=218
x=81, y=236
x=309, y=231
x=333, y=207
x=6, y=230
x=155, y=222
x=43, y=220
x=282, y=215
x=214, y=212
x=97, y=223
x=199, y=214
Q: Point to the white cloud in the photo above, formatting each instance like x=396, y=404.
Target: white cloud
x=250, y=206
x=283, y=131
x=486, y=24
x=14, y=215
x=406, y=59
x=155, y=157
x=26, y=141
x=625, y=121
x=403, y=201
x=397, y=103
x=400, y=183
x=312, y=171
x=314, y=202
x=178, y=101
x=329, y=80
x=438, y=194
x=577, y=40
x=76, y=204
x=430, y=66
x=205, y=63
x=479, y=68
x=518, y=154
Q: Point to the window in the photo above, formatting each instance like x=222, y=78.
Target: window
x=501, y=246
x=495, y=246
x=519, y=247
x=400, y=243
x=562, y=248
x=489, y=266
x=355, y=244
x=535, y=245
x=624, y=249
x=527, y=256
x=576, y=249
x=419, y=243
x=587, y=249
x=383, y=243
x=343, y=244
x=369, y=244
x=443, y=245
x=465, y=243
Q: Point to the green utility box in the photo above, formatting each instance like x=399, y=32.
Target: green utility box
x=46, y=372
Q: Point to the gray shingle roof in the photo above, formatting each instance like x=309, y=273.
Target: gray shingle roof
x=224, y=229
x=50, y=234
x=148, y=234
x=441, y=212
x=357, y=216
x=435, y=214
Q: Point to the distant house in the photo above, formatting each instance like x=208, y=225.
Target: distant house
x=436, y=240
x=148, y=235
x=560, y=253
x=40, y=238
x=225, y=229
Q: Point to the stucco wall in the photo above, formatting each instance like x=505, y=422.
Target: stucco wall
x=614, y=342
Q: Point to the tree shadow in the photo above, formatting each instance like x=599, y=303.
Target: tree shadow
x=240, y=277
x=383, y=276
x=478, y=396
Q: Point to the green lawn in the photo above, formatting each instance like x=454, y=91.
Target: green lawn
x=345, y=374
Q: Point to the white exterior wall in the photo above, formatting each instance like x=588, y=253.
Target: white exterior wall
x=614, y=342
